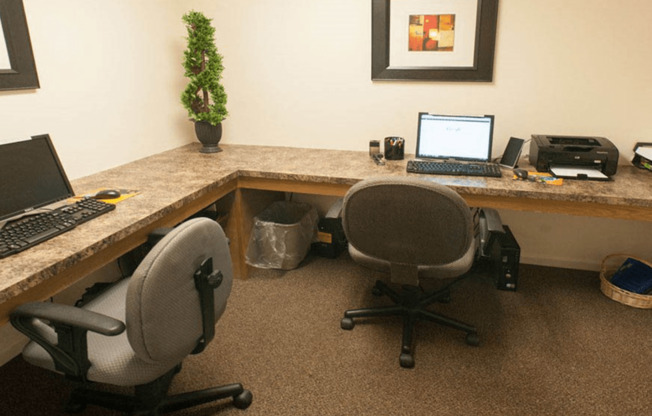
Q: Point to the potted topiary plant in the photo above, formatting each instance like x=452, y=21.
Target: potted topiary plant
x=204, y=97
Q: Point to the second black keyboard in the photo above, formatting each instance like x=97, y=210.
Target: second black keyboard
x=454, y=168
x=31, y=230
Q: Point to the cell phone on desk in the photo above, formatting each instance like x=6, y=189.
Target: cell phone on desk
x=512, y=152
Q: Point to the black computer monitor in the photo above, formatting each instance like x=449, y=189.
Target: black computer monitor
x=31, y=176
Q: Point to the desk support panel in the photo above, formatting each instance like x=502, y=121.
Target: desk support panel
x=246, y=205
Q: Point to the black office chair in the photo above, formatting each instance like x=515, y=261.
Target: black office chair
x=414, y=229
x=169, y=308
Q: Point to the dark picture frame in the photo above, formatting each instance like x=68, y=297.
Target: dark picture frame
x=22, y=72
x=483, y=54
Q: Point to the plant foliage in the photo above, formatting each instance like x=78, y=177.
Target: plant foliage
x=204, y=97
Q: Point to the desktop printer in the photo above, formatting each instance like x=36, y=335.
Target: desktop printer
x=573, y=151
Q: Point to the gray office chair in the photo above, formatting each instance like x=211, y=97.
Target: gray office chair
x=169, y=308
x=413, y=229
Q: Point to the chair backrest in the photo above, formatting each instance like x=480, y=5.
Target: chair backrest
x=408, y=221
x=163, y=312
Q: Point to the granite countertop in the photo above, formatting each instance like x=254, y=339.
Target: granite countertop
x=168, y=180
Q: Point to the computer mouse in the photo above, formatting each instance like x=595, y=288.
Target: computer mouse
x=106, y=194
x=520, y=173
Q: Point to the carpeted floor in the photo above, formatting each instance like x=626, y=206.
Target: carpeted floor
x=557, y=346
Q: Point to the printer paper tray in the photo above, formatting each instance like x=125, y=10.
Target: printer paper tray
x=574, y=172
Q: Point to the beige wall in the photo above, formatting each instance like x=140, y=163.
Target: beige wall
x=110, y=77
x=298, y=74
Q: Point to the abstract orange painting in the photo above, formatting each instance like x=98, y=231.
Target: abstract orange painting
x=432, y=32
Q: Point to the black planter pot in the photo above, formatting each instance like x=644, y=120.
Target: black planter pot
x=209, y=136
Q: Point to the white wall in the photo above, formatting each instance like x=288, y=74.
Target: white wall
x=298, y=74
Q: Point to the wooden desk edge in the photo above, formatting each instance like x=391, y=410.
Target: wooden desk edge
x=289, y=185
x=589, y=209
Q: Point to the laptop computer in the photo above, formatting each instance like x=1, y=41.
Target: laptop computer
x=458, y=139
x=32, y=176
x=34, y=194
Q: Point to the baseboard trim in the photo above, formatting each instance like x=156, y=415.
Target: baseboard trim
x=563, y=263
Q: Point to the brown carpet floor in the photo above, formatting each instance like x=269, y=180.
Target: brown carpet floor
x=557, y=346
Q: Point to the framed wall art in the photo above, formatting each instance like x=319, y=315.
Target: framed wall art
x=17, y=68
x=433, y=40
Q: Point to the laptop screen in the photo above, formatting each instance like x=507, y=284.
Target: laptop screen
x=455, y=137
x=32, y=176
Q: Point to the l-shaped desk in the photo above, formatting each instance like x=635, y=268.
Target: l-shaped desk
x=176, y=184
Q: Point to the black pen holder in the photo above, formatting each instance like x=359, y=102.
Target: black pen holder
x=394, y=148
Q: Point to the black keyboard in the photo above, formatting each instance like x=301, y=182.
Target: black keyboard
x=454, y=168
x=31, y=230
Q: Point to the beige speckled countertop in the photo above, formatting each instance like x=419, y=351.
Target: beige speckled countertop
x=169, y=180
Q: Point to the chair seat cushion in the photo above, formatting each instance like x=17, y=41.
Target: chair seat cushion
x=446, y=271
x=113, y=360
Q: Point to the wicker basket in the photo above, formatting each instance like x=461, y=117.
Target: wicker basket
x=610, y=264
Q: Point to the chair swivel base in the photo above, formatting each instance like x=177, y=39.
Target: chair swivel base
x=151, y=398
x=410, y=303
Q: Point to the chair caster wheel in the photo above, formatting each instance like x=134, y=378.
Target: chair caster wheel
x=243, y=400
x=376, y=291
x=473, y=339
x=406, y=360
x=347, y=323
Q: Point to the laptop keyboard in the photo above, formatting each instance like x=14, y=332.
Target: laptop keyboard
x=454, y=168
x=29, y=231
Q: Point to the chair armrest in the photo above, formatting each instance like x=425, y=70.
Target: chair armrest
x=70, y=315
x=492, y=221
x=70, y=353
x=490, y=227
x=157, y=235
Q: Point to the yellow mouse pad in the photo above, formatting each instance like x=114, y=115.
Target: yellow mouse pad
x=124, y=194
x=542, y=177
